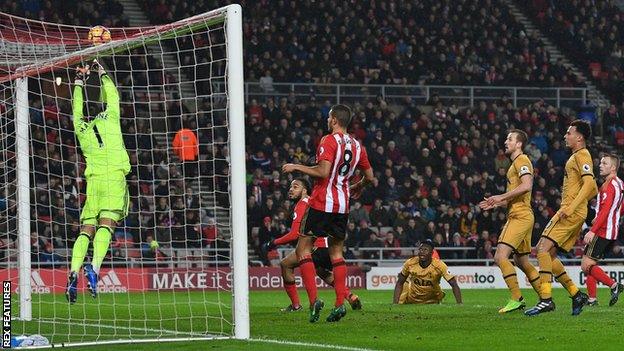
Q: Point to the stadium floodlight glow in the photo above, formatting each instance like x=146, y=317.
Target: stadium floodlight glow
x=186, y=74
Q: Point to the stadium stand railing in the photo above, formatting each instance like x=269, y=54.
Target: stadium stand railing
x=420, y=94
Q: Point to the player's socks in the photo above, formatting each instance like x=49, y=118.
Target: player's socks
x=591, y=287
x=101, y=242
x=545, y=263
x=79, y=251
x=291, y=290
x=308, y=274
x=600, y=275
x=534, y=278
x=509, y=274
x=340, y=280
x=563, y=278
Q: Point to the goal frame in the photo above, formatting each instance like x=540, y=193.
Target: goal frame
x=236, y=119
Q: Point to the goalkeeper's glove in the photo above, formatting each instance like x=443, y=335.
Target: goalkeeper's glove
x=82, y=74
x=97, y=66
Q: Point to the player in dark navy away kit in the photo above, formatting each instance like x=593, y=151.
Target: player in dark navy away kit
x=337, y=157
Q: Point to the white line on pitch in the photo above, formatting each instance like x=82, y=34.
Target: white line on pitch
x=309, y=344
x=106, y=326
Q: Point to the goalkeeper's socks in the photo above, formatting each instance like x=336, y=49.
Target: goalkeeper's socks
x=100, y=246
x=600, y=275
x=308, y=274
x=340, y=280
x=291, y=290
x=545, y=263
x=81, y=246
x=562, y=277
x=591, y=286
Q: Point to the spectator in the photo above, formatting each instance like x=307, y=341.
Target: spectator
x=391, y=242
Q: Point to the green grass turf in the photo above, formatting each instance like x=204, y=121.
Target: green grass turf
x=476, y=325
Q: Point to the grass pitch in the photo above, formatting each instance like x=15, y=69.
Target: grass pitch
x=475, y=325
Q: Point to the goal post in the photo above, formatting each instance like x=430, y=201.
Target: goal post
x=190, y=214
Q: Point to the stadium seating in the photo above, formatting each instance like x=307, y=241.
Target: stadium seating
x=589, y=33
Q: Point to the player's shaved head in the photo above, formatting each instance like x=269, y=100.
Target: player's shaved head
x=342, y=114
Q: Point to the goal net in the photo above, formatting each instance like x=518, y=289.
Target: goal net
x=177, y=264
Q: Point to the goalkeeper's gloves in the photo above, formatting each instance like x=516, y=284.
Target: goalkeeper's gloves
x=82, y=74
x=97, y=66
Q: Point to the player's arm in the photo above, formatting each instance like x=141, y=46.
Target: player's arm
x=588, y=190
x=110, y=95
x=320, y=170
x=364, y=165
x=80, y=125
x=398, y=287
x=295, y=227
x=602, y=215
x=456, y=291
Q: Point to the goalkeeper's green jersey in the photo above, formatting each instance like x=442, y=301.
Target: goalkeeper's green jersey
x=100, y=138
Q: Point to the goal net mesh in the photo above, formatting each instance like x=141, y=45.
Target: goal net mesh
x=167, y=272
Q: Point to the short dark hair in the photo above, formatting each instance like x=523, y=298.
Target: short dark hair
x=306, y=184
x=582, y=127
x=521, y=136
x=342, y=113
x=429, y=243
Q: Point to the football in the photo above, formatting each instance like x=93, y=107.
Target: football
x=99, y=35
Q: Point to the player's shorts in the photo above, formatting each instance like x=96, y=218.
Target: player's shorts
x=409, y=297
x=517, y=233
x=564, y=232
x=320, y=257
x=597, y=248
x=318, y=223
x=107, y=197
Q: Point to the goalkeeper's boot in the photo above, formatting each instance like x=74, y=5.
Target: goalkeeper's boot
x=337, y=313
x=92, y=279
x=578, y=302
x=354, y=301
x=71, y=292
x=291, y=308
x=542, y=307
x=592, y=302
x=315, y=310
x=513, y=305
x=615, y=294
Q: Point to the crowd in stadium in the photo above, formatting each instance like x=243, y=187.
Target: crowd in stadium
x=433, y=163
x=589, y=32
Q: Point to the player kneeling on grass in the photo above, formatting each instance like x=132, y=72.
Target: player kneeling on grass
x=604, y=230
x=419, y=280
x=108, y=164
x=299, y=190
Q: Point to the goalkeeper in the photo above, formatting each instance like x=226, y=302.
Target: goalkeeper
x=107, y=166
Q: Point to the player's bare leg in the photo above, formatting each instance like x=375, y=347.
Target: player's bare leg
x=592, y=270
x=287, y=265
x=501, y=258
x=340, y=278
x=545, y=251
x=79, y=251
x=308, y=273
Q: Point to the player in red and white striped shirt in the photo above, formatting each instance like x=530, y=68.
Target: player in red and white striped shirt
x=299, y=189
x=337, y=157
x=604, y=230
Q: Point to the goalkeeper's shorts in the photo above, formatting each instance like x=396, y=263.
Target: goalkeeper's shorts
x=107, y=197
